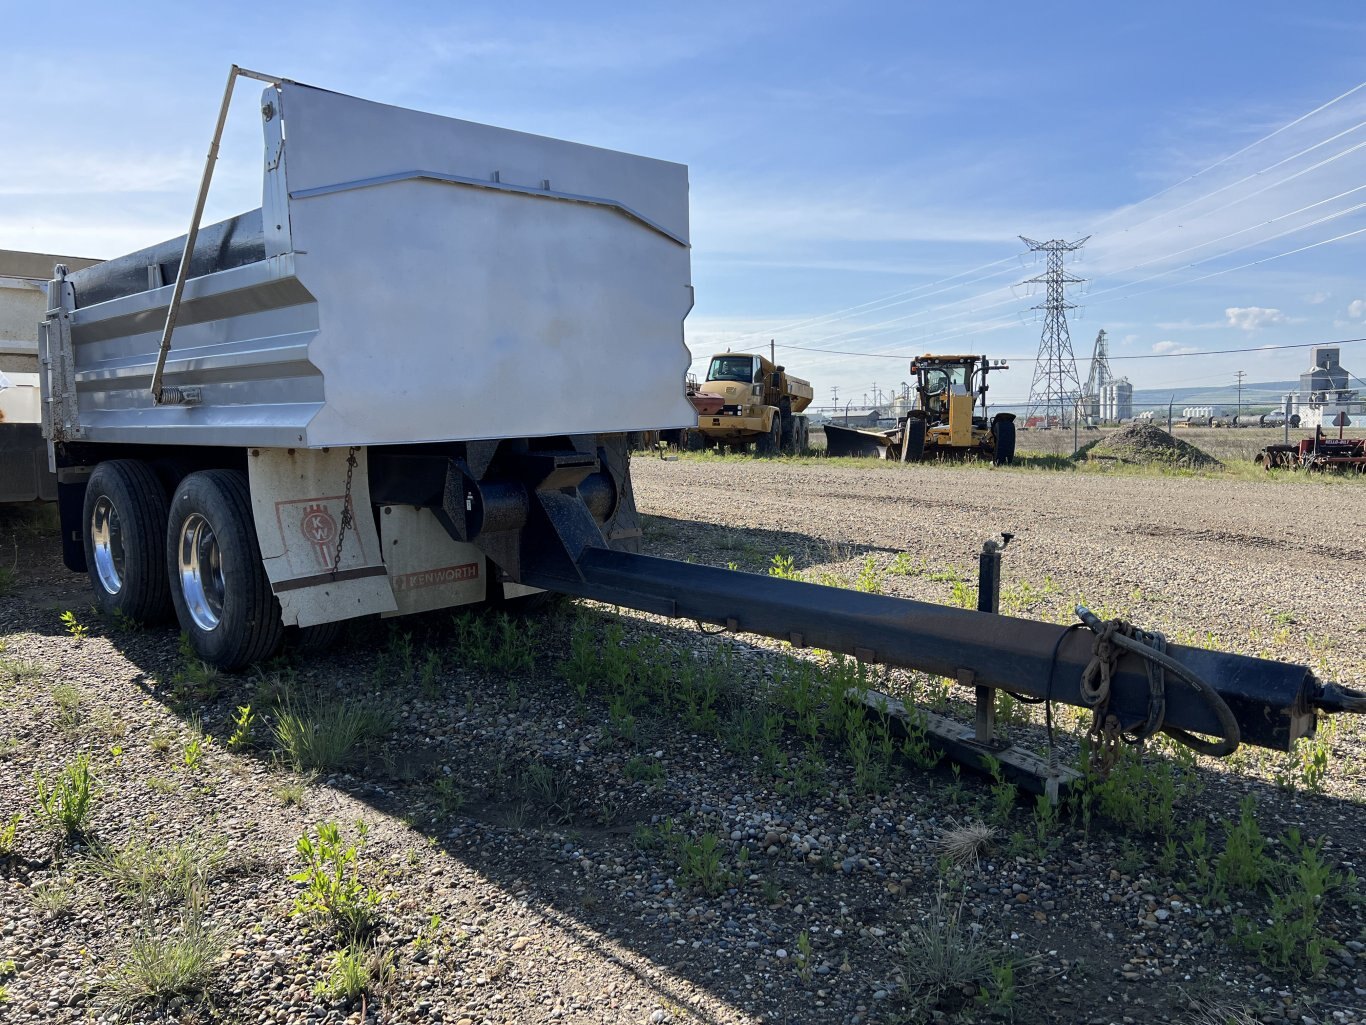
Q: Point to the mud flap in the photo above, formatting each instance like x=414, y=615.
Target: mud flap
x=297, y=498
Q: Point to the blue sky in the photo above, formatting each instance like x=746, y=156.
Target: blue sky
x=838, y=154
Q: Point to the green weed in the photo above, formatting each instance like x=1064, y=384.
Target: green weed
x=549, y=788
x=8, y=832
x=243, y=728
x=195, y=680
x=943, y=956
x=178, y=871
x=802, y=957
x=192, y=754
x=429, y=676
x=73, y=626
x=290, y=792
x=53, y=898
x=1291, y=936
x=333, y=891
x=356, y=969
x=643, y=770
x=1243, y=864
x=699, y=864
x=448, y=798
x=68, y=801
x=498, y=643
x=68, y=700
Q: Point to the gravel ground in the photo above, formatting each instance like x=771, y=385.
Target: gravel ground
x=521, y=836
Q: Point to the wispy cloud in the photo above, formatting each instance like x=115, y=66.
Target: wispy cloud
x=1170, y=348
x=1250, y=318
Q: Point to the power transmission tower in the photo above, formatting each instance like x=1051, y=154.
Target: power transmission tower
x=1240, y=375
x=1055, y=388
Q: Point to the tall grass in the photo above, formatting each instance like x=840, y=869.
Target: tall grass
x=321, y=734
x=157, y=966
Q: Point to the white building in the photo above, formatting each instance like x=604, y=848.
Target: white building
x=1116, y=400
x=1324, y=391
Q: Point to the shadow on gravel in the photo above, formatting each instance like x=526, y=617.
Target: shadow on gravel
x=751, y=549
x=530, y=785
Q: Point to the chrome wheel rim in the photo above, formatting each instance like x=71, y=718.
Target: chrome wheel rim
x=106, y=534
x=201, y=572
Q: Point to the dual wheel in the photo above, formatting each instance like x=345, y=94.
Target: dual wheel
x=196, y=554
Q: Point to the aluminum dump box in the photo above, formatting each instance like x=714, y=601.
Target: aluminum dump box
x=408, y=278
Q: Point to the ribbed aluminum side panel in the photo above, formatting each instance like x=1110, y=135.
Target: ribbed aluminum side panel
x=243, y=339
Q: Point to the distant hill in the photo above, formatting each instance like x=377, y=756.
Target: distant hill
x=1258, y=395
x=1262, y=393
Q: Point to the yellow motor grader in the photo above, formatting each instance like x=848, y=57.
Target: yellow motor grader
x=944, y=420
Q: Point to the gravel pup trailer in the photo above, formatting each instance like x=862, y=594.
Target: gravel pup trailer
x=298, y=416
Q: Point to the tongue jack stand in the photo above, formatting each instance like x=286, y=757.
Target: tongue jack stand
x=979, y=746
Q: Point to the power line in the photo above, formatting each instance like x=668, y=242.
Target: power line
x=839, y=313
x=1002, y=322
x=1224, y=160
x=1244, y=266
x=835, y=315
x=907, y=295
x=893, y=323
x=1236, y=249
x=1241, y=231
x=1257, y=174
x=1147, y=355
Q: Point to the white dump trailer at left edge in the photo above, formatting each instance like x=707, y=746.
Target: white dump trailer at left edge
x=405, y=383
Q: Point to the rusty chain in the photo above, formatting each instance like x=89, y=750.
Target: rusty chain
x=346, y=511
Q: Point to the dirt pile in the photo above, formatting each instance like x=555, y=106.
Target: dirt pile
x=1148, y=444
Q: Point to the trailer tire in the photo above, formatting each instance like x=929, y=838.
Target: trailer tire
x=123, y=524
x=1003, y=435
x=316, y=639
x=219, y=587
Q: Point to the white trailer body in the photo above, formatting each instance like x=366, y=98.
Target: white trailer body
x=418, y=277
x=419, y=301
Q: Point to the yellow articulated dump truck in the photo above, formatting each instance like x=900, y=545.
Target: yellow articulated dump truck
x=747, y=399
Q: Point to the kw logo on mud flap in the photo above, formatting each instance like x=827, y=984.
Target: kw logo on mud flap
x=319, y=529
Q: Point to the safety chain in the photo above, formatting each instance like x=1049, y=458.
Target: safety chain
x=1113, y=637
x=1104, y=736
x=346, y=511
